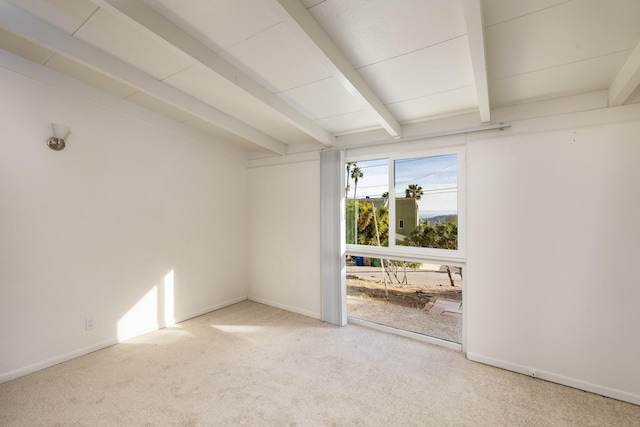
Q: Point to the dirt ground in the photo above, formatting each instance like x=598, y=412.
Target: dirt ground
x=403, y=295
x=415, y=307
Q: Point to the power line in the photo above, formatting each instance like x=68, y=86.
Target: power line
x=435, y=191
x=427, y=175
x=420, y=159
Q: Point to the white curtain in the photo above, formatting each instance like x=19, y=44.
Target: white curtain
x=332, y=242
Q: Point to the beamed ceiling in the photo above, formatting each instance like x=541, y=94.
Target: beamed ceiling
x=283, y=76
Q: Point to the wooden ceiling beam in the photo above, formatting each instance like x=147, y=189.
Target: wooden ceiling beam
x=475, y=33
x=304, y=26
x=626, y=81
x=26, y=25
x=148, y=20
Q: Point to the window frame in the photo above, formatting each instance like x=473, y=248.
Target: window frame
x=452, y=257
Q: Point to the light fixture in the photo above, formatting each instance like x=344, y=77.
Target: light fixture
x=60, y=133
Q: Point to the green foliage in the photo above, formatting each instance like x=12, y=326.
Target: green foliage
x=367, y=228
x=362, y=215
x=443, y=235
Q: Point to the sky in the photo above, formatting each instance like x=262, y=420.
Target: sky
x=437, y=175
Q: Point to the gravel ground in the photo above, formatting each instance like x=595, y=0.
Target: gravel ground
x=409, y=319
x=427, y=275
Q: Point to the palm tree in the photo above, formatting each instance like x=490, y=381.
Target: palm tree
x=414, y=191
x=348, y=187
x=356, y=174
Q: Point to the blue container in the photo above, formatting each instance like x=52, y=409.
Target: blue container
x=359, y=261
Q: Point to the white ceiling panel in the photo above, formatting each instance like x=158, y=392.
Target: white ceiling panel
x=122, y=41
x=219, y=24
x=207, y=86
x=567, y=33
x=437, y=105
x=90, y=76
x=370, y=31
x=283, y=76
x=436, y=69
x=497, y=11
x=22, y=47
x=326, y=98
x=277, y=59
x=346, y=123
x=68, y=15
x=571, y=79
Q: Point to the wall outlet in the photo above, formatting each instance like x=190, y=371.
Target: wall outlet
x=89, y=323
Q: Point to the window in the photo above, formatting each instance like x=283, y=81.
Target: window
x=407, y=205
x=426, y=195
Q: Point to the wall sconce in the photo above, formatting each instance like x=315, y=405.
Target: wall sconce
x=60, y=133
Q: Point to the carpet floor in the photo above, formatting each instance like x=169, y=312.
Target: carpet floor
x=254, y=365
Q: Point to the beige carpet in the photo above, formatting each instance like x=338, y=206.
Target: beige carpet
x=254, y=365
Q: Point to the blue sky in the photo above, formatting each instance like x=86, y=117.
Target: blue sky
x=437, y=175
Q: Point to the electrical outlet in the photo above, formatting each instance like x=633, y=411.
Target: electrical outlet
x=89, y=323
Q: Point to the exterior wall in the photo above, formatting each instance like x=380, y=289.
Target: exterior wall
x=407, y=211
x=126, y=226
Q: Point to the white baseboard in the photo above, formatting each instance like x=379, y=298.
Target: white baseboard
x=557, y=378
x=156, y=326
x=7, y=376
x=285, y=307
x=211, y=308
x=25, y=370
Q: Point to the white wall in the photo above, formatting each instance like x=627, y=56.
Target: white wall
x=284, y=230
x=552, y=278
x=96, y=230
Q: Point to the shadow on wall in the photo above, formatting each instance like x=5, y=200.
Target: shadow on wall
x=153, y=311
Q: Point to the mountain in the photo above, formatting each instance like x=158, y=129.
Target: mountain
x=437, y=219
x=436, y=216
